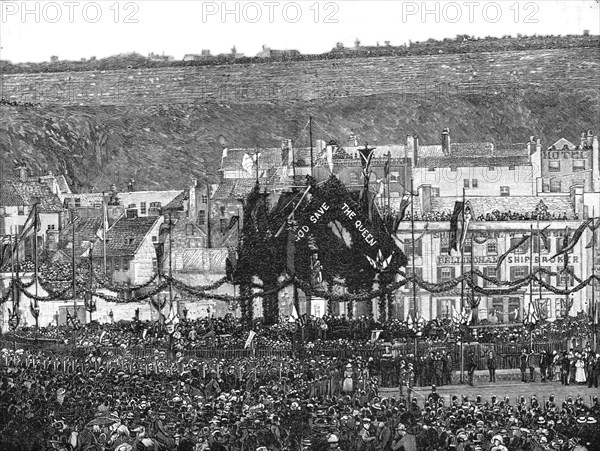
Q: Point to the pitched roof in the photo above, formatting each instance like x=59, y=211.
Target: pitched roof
x=179, y=202
x=85, y=230
x=474, y=155
x=561, y=143
x=125, y=236
x=28, y=193
x=9, y=196
x=87, y=200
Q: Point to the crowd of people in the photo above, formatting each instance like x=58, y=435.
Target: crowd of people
x=3, y=101
x=106, y=402
x=495, y=215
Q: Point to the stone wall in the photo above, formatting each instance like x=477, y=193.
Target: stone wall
x=430, y=76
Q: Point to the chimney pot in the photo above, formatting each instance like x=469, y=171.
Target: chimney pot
x=446, y=141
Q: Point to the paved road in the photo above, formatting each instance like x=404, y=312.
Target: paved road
x=501, y=389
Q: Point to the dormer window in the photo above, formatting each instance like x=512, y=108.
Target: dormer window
x=130, y=240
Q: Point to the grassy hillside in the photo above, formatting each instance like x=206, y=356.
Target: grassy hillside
x=167, y=146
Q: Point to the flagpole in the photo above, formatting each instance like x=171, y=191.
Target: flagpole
x=311, y=145
x=414, y=284
x=540, y=259
x=388, y=181
x=74, y=279
x=594, y=282
x=104, y=231
x=35, y=260
x=462, y=288
x=531, y=265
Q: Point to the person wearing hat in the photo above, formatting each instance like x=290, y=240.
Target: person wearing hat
x=367, y=436
x=498, y=443
x=403, y=441
x=491, y=364
x=333, y=443
x=471, y=366
x=384, y=436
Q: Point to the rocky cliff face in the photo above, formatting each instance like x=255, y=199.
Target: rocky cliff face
x=162, y=137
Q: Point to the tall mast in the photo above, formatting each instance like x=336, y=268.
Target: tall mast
x=171, y=263
x=531, y=267
x=412, y=231
x=104, y=231
x=74, y=278
x=594, y=281
x=539, y=259
x=462, y=258
x=35, y=258
x=310, y=137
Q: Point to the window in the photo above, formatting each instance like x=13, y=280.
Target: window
x=492, y=246
x=77, y=202
x=190, y=230
x=154, y=238
x=559, y=308
x=505, y=191
x=511, y=167
x=522, y=248
x=554, y=166
x=96, y=205
x=51, y=227
x=222, y=211
x=489, y=271
x=202, y=217
x=204, y=199
x=21, y=210
x=130, y=205
x=453, y=169
x=444, y=308
x=353, y=178
x=125, y=264
x=195, y=242
x=155, y=205
x=468, y=245
x=431, y=169
x=445, y=274
x=578, y=165
x=223, y=224
x=130, y=241
x=540, y=242
x=518, y=272
x=565, y=278
x=143, y=208
x=545, y=186
x=444, y=243
x=155, y=265
x=497, y=309
x=408, y=248
x=435, y=192
x=466, y=183
x=492, y=168
x=514, y=309
x=475, y=183
x=555, y=186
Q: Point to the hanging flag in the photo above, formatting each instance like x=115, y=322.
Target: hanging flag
x=375, y=335
x=249, y=340
x=329, y=150
x=569, y=245
x=464, y=224
x=32, y=224
x=404, y=203
x=458, y=209
x=294, y=315
x=104, y=229
x=366, y=155
x=7, y=250
x=511, y=249
x=593, y=229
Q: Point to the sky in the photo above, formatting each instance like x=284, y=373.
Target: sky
x=33, y=31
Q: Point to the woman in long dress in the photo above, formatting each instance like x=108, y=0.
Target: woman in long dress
x=348, y=384
x=579, y=369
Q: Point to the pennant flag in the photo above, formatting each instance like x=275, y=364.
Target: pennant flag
x=455, y=315
x=103, y=231
x=232, y=223
x=458, y=209
x=35, y=311
x=511, y=249
x=366, y=155
x=593, y=229
x=303, y=320
x=375, y=335
x=32, y=224
x=249, y=340
x=568, y=246
x=293, y=315
x=531, y=318
x=404, y=203
x=464, y=223
x=409, y=321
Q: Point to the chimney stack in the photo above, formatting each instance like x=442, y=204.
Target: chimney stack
x=446, y=141
x=590, y=138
